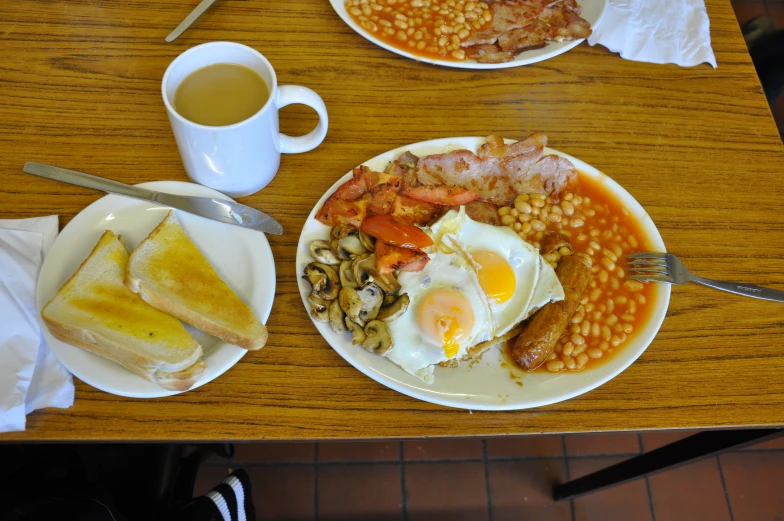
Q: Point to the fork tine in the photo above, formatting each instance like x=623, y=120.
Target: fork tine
x=651, y=262
x=646, y=272
x=651, y=278
x=647, y=255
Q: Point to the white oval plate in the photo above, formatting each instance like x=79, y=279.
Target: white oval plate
x=486, y=385
x=242, y=257
x=592, y=12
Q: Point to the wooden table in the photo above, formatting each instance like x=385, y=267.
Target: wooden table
x=80, y=88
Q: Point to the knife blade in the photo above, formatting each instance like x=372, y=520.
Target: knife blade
x=221, y=210
x=192, y=17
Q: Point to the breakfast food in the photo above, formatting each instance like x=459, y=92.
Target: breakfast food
x=591, y=221
x=450, y=255
x=488, y=32
x=171, y=274
x=542, y=333
x=93, y=310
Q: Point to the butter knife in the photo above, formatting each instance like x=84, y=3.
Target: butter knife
x=195, y=14
x=221, y=210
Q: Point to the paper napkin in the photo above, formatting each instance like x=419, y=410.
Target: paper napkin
x=657, y=31
x=30, y=376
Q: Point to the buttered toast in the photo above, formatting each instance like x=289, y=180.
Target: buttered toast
x=173, y=275
x=96, y=312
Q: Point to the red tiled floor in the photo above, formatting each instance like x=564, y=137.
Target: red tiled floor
x=748, y=9
x=774, y=444
x=273, y=451
x=465, y=448
x=520, y=490
x=690, y=492
x=590, y=444
x=623, y=503
x=358, y=492
x=525, y=446
x=655, y=439
x=359, y=451
x=208, y=478
x=449, y=491
x=283, y=492
x=753, y=481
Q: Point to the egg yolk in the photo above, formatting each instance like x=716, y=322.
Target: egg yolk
x=446, y=317
x=496, y=276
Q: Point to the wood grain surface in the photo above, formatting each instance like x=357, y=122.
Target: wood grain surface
x=80, y=88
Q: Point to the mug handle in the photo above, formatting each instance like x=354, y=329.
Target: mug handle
x=288, y=94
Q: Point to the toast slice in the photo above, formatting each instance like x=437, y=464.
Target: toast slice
x=96, y=312
x=173, y=275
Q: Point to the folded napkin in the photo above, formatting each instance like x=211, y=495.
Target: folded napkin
x=657, y=31
x=30, y=375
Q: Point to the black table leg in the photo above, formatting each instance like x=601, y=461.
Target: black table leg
x=687, y=450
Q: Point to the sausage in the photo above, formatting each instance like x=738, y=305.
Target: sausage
x=538, y=339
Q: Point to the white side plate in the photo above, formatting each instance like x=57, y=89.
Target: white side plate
x=241, y=256
x=486, y=385
x=592, y=11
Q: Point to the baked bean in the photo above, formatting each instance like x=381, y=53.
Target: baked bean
x=568, y=348
x=578, y=349
x=633, y=285
x=594, y=352
x=628, y=328
x=606, y=333
x=585, y=328
x=577, y=340
x=595, y=294
x=574, y=328
x=518, y=226
x=554, y=366
x=522, y=206
x=604, y=346
x=595, y=330
x=582, y=359
x=611, y=320
x=615, y=341
x=552, y=356
x=538, y=225
x=504, y=209
x=569, y=362
x=608, y=264
x=507, y=220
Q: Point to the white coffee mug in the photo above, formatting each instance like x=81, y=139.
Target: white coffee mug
x=238, y=159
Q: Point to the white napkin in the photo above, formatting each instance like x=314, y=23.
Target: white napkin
x=30, y=376
x=657, y=31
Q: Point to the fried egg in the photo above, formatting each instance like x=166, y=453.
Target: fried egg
x=516, y=280
x=448, y=313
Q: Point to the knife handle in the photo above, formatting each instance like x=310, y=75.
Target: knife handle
x=87, y=181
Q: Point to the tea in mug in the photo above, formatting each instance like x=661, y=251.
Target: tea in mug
x=221, y=94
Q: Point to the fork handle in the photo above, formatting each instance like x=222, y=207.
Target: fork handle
x=747, y=290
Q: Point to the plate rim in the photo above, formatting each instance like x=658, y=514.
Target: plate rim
x=340, y=9
x=658, y=313
x=54, y=343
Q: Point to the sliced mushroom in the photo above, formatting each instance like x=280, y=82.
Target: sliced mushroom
x=318, y=308
x=364, y=267
x=357, y=333
x=388, y=299
x=323, y=279
x=394, y=309
x=347, y=275
x=361, y=305
x=365, y=271
x=367, y=241
x=337, y=318
x=350, y=246
x=377, y=338
x=320, y=252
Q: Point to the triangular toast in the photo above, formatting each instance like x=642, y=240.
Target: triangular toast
x=171, y=274
x=96, y=312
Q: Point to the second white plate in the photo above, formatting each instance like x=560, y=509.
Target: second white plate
x=241, y=256
x=592, y=11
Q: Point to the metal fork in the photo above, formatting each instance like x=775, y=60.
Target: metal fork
x=665, y=267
